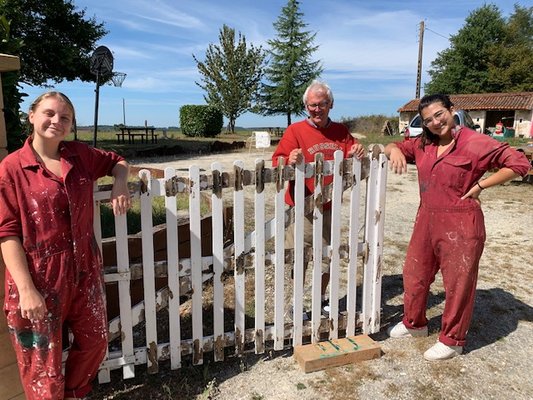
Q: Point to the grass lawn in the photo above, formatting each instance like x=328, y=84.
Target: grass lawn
x=177, y=143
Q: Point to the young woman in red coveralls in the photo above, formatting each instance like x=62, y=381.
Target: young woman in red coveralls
x=53, y=265
x=449, y=231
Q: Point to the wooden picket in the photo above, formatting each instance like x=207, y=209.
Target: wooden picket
x=256, y=261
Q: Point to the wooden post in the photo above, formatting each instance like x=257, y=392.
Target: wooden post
x=7, y=63
x=11, y=387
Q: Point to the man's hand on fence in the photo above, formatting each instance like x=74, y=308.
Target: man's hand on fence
x=358, y=150
x=295, y=157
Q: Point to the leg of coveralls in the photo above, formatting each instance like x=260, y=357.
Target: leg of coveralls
x=39, y=351
x=419, y=272
x=460, y=249
x=87, y=320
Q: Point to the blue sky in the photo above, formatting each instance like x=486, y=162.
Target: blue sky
x=368, y=49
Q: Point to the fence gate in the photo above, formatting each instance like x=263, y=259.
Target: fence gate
x=223, y=281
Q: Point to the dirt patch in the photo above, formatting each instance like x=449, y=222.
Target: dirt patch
x=497, y=359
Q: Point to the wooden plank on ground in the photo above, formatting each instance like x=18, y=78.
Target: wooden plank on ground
x=11, y=386
x=336, y=352
x=7, y=354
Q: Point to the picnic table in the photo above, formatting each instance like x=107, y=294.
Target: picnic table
x=276, y=131
x=145, y=133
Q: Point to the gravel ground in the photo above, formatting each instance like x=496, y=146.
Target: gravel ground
x=497, y=359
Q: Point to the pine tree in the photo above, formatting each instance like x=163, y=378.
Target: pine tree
x=290, y=69
x=231, y=75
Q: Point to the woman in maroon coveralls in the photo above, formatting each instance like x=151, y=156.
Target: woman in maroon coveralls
x=449, y=231
x=53, y=265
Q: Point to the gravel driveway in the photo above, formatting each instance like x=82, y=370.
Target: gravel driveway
x=498, y=357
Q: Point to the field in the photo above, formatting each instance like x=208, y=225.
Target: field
x=107, y=139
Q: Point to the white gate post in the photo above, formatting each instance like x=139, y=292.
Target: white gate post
x=375, y=216
x=149, y=274
x=259, y=257
x=173, y=274
x=217, y=208
x=196, y=265
x=279, y=262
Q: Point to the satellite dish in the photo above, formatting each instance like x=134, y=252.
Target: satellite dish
x=102, y=61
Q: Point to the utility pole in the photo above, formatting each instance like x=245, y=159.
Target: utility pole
x=124, y=111
x=419, y=70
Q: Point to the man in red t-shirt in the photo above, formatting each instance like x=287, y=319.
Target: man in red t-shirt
x=300, y=142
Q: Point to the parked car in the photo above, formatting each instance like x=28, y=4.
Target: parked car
x=461, y=117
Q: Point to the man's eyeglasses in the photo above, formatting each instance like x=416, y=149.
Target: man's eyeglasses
x=439, y=115
x=321, y=106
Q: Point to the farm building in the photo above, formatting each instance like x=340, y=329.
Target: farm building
x=514, y=110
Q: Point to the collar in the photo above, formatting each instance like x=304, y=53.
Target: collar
x=27, y=156
x=456, y=132
x=29, y=160
x=316, y=126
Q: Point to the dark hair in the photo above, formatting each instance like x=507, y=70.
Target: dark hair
x=444, y=99
x=58, y=95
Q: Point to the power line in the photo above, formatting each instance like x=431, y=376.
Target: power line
x=437, y=33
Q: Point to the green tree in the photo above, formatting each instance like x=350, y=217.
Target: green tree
x=464, y=66
x=54, y=43
x=58, y=39
x=290, y=68
x=231, y=74
x=12, y=95
x=511, y=62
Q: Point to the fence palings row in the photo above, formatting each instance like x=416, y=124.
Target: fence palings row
x=256, y=256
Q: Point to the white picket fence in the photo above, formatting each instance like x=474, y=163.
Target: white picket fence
x=255, y=257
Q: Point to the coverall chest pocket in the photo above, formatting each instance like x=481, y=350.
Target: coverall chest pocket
x=456, y=171
x=81, y=189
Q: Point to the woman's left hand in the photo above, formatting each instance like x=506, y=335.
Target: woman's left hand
x=473, y=193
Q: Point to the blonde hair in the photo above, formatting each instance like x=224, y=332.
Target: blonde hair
x=57, y=95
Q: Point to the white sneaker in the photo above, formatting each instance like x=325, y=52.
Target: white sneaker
x=401, y=331
x=326, y=310
x=440, y=351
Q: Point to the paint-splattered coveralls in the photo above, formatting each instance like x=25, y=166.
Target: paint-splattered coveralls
x=449, y=233
x=53, y=218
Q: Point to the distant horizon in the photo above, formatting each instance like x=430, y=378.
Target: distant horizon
x=236, y=127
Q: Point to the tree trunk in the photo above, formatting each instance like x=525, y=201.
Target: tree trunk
x=231, y=126
x=288, y=119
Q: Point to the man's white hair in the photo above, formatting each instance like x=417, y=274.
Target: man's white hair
x=318, y=87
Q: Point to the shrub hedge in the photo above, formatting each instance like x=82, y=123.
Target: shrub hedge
x=200, y=120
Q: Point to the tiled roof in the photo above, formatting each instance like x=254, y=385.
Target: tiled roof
x=483, y=101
